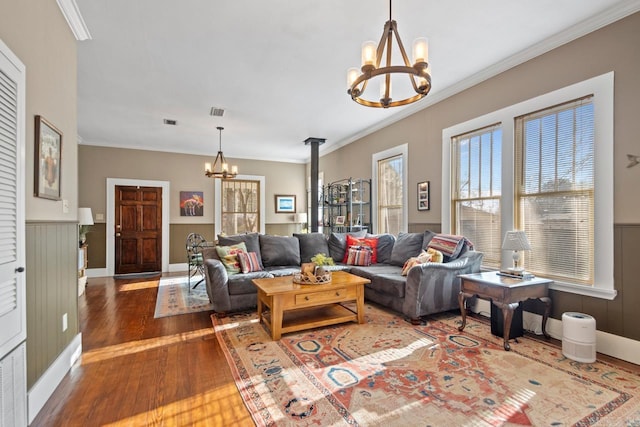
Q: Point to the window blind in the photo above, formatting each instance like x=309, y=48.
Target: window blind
x=477, y=188
x=390, y=195
x=555, y=190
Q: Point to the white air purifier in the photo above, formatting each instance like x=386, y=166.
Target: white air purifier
x=579, y=337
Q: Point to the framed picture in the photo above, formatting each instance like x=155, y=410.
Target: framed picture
x=285, y=204
x=191, y=203
x=340, y=220
x=48, y=160
x=423, y=196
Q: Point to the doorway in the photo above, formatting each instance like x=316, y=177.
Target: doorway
x=112, y=183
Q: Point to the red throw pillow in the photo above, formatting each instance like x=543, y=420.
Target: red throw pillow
x=371, y=242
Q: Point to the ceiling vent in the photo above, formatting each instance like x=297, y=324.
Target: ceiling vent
x=217, y=112
x=170, y=122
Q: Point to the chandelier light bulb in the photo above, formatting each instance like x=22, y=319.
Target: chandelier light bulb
x=352, y=75
x=368, y=54
x=420, y=50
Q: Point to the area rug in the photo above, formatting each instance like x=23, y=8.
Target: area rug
x=174, y=297
x=389, y=372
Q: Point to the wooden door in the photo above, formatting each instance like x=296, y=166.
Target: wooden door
x=138, y=229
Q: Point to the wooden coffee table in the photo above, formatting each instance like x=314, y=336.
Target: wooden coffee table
x=294, y=307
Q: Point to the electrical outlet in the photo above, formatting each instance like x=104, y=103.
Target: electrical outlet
x=65, y=206
x=64, y=322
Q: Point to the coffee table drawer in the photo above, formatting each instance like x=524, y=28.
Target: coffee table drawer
x=321, y=297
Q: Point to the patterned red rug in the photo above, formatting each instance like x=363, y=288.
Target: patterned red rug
x=389, y=373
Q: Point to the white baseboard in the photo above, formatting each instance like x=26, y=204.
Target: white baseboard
x=178, y=267
x=42, y=390
x=96, y=272
x=606, y=343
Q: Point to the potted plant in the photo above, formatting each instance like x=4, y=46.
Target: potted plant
x=320, y=260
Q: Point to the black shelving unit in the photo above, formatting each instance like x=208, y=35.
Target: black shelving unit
x=347, y=206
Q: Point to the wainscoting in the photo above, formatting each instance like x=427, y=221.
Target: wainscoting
x=52, y=292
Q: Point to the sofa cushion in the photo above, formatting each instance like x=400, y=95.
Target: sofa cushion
x=242, y=283
x=407, y=245
x=249, y=262
x=338, y=244
x=229, y=256
x=386, y=279
x=312, y=244
x=371, y=242
x=283, y=271
x=279, y=250
x=449, y=245
x=250, y=240
x=385, y=246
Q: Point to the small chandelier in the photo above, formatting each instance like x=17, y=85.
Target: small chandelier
x=419, y=74
x=220, y=166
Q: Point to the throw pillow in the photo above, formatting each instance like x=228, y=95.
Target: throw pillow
x=448, y=244
x=311, y=244
x=371, y=242
x=250, y=240
x=359, y=255
x=249, y=262
x=338, y=244
x=229, y=256
x=413, y=261
x=279, y=250
x=407, y=245
x=436, y=255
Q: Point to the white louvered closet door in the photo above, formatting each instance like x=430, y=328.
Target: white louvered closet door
x=13, y=331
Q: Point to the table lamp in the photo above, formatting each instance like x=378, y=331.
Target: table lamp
x=85, y=219
x=516, y=241
x=301, y=218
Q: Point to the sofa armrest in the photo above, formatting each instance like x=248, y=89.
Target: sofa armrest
x=434, y=287
x=217, y=282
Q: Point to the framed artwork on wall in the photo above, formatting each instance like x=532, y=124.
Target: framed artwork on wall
x=285, y=203
x=423, y=196
x=48, y=160
x=191, y=203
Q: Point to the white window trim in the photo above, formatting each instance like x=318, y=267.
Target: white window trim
x=403, y=150
x=603, y=90
x=217, y=217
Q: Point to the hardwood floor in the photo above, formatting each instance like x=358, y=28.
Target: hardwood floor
x=139, y=371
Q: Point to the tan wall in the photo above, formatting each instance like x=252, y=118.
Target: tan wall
x=184, y=172
x=614, y=47
x=38, y=34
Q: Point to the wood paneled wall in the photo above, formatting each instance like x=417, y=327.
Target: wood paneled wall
x=52, y=291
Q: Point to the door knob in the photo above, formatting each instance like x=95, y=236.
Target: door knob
x=118, y=234
x=19, y=269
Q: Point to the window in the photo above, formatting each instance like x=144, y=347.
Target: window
x=239, y=206
x=556, y=184
x=555, y=188
x=477, y=160
x=389, y=195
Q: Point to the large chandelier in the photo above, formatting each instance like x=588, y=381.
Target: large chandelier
x=418, y=74
x=220, y=167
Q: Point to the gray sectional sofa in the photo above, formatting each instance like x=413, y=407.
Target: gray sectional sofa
x=427, y=288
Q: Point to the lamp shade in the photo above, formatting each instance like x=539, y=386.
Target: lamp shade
x=85, y=216
x=301, y=218
x=516, y=241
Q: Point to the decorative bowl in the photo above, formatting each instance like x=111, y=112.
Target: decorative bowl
x=309, y=279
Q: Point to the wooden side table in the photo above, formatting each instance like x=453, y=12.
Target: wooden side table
x=505, y=293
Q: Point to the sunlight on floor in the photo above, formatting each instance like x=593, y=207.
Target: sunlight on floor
x=211, y=408
x=138, y=285
x=133, y=347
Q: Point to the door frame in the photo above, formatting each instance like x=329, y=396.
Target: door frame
x=111, y=206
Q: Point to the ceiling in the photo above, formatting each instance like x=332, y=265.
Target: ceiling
x=278, y=68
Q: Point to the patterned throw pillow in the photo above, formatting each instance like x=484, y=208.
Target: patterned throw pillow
x=371, y=242
x=229, y=256
x=359, y=255
x=249, y=262
x=448, y=244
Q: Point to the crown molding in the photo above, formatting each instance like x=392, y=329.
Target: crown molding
x=589, y=25
x=72, y=14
